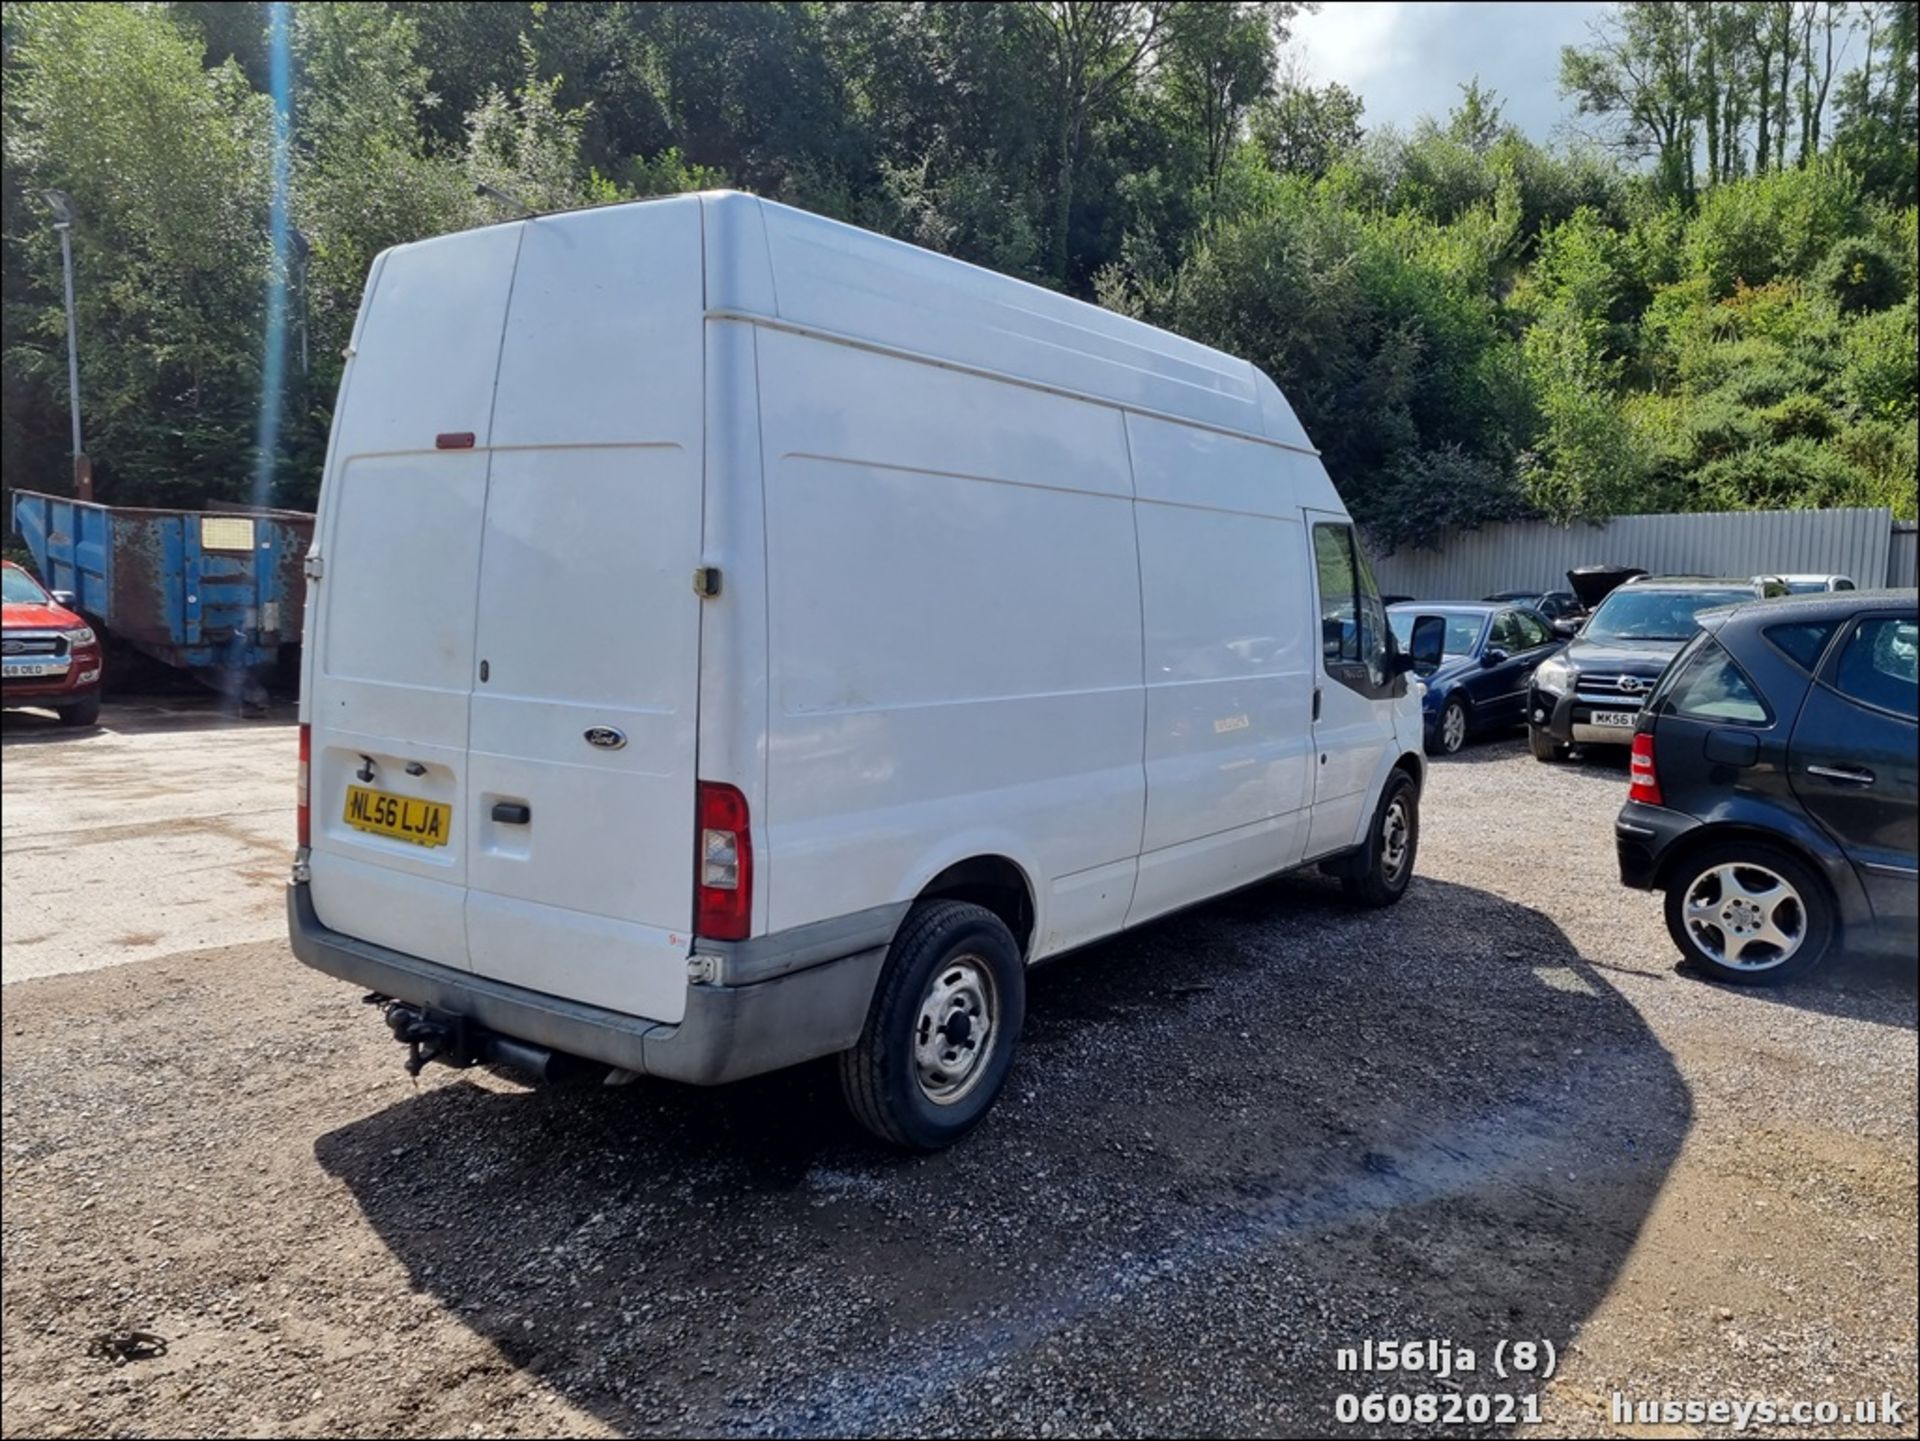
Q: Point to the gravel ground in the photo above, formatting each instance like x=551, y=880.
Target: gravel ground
x=1235, y=1141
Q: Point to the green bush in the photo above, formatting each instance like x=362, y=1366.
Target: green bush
x=1860, y=274
x=1773, y=225
x=1884, y=454
x=1797, y=474
x=1879, y=373
x=1720, y=425
x=1800, y=414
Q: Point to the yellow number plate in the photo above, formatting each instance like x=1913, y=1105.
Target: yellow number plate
x=405, y=818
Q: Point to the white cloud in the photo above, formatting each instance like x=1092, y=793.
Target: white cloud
x=1406, y=60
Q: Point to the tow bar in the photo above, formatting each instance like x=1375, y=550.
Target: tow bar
x=460, y=1042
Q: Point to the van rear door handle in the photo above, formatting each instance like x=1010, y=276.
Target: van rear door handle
x=1846, y=775
x=1316, y=702
x=511, y=813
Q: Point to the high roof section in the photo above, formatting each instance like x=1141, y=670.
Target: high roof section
x=774, y=262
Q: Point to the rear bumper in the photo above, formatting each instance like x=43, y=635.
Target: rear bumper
x=1642, y=835
x=728, y=1032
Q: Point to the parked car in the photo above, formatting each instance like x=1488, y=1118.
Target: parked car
x=51, y=656
x=837, y=793
x=1480, y=683
x=1555, y=605
x=1815, y=584
x=1774, y=785
x=1591, y=693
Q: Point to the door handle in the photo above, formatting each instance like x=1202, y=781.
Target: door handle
x=1846, y=775
x=510, y=813
x=1316, y=702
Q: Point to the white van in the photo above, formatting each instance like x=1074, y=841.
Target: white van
x=737, y=638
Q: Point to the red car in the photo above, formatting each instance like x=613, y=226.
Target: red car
x=48, y=655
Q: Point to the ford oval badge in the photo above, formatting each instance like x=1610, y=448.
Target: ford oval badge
x=606, y=737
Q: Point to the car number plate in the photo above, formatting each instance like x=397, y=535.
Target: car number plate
x=1625, y=719
x=404, y=818
x=23, y=669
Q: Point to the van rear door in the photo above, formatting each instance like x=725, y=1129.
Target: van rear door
x=390, y=665
x=578, y=813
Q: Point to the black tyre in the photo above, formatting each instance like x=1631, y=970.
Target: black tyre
x=81, y=712
x=1544, y=746
x=1382, y=871
x=1450, y=731
x=942, y=1028
x=1750, y=914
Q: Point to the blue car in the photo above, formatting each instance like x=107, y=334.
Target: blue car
x=1488, y=659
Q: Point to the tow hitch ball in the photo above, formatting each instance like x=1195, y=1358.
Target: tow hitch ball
x=427, y=1038
x=459, y=1042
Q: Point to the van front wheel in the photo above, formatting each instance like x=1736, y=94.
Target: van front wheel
x=941, y=1030
x=1384, y=868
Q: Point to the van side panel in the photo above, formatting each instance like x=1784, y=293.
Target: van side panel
x=1228, y=663
x=587, y=620
x=955, y=636
x=852, y=282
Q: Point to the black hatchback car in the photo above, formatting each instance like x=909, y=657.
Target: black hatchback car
x=1775, y=784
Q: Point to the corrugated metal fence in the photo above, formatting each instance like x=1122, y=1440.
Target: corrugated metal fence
x=1865, y=544
x=1901, y=567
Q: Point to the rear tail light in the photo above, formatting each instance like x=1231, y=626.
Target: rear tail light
x=303, y=813
x=723, y=865
x=1646, y=784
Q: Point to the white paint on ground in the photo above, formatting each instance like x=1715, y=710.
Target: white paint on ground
x=168, y=828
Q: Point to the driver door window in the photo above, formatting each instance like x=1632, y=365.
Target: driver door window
x=1529, y=632
x=1353, y=622
x=1511, y=633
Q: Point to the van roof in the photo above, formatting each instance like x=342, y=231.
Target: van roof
x=773, y=263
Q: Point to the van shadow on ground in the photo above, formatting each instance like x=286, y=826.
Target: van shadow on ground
x=1236, y=1140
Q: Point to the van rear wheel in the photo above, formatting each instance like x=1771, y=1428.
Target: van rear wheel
x=1383, y=869
x=941, y=1031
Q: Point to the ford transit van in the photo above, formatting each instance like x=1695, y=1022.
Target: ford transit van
x=736, y=638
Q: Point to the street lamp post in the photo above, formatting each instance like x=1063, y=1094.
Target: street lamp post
x=63, y=223
x=302, y=254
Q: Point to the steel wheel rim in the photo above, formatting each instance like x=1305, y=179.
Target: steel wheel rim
x=1745, y=916
x=956, y=1030
x=1453, y=728
x=1396, y=838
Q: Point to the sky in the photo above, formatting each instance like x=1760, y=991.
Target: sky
x=1406, y=59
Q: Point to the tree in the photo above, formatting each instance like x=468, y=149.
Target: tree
x=1218, y=62
x=1770, y=27
x=1815, y=85
x=1639, y=75
x=1095, y=49
x=1877, y=120
x=1475, y=121
x=167, y=164
x=1303, y=131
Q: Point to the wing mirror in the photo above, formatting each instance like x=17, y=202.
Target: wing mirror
x=1494, y=656
x=1428, y=642
x=66, y=599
